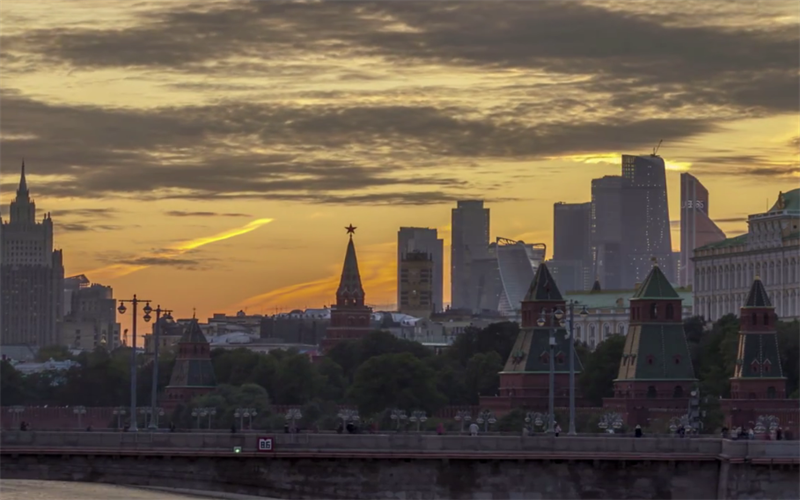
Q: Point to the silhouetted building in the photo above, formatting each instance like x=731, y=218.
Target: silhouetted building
x=655, y=373
x=517, y=263
x=469, y=243
x=92, y=320
x=31, y=275
x=193, y=373
x=606, y=232
x=645, y=218
x=416, y=283
x=571, y=264
x=697, y=228
x=350, y=318
x=426, y=240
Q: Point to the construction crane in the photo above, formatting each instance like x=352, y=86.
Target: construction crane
x=655, y=149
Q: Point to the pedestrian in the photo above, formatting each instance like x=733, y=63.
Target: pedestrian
x=638, y=431
x=473, y=429
x=724, y=433
x=751, y=434
x=557, y=430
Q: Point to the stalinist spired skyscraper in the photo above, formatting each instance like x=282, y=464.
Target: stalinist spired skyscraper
x=31, y=275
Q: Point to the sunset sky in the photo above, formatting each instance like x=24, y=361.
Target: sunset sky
x=208, y=155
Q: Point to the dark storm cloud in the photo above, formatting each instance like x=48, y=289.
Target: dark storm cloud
x=641, y=59
x=186, y=152
x=162, y=261
x=179, y=213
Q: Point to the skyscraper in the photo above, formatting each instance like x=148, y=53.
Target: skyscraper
x=470, y=242
x=697, y=228
x=426, y=240
x=572, y=248
x=645, y=218
x=31, y=275
x=606, y=239
x=415, y=285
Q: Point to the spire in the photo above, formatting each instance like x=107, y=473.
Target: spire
x=543, y=286
x=193, y=334
x=22, y=190
x=656, y=286
x=350, y=292
x=758, y=296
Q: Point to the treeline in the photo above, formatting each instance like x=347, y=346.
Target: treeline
x=375, y=373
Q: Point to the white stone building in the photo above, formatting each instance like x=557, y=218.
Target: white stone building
x=609, y=312
x=770, y=250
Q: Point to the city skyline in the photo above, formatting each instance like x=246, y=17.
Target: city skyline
x=152, y=160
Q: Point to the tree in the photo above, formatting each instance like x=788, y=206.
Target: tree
x=789, y=344
x=296, y=380
x=54, y=352
x=12, y=390
x=483, y=375
x=395, y=381
x=497, y=337
x=600, y=368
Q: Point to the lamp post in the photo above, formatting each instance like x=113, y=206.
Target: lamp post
x=80, y=411
x=538, y=419
x=584, y=313
x=610, y=419
x=15, y=411
x=147, y=310
x=419, y=417
x=293, y=415
x=242, y=413
x=119, y=412
x=348, y=415
x=553, y=317
x=398, y=416
x=463, y=417
x=151, y=415
x=486, y=418
x=154, y=389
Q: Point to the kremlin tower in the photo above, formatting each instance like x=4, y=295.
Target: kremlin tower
x=350, y=318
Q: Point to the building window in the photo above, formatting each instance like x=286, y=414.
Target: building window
x=670, y=311
x=651, y=359
x=771, y=393
x=651, y=392
x=653, y=311
x=766, y=318
x=677, y=392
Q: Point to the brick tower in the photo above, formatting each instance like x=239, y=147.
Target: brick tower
x=655, y=372
x=350, y=318
x=525, y=379
x=193, y=374
x=758, y=386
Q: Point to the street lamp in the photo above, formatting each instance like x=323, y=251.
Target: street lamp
x=147, y=310
x=79, y=411
x=556, y=320
x=463, y=417
x=154, y=389
x=398, y=416
x=348, y=415
x=764, y=422
x=15, y=411
x=151, y=415
x=204, y=411
x=486, y=418
x=119, y=412
x=242, y=413
x=293, y=415
x=610, y=419
x=538, y=419
x=419, y=417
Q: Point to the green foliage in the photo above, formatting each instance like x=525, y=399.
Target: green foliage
x=226, y=399
x=395, y=381
x=54, y=352
x=482, y=374
x=600, y=368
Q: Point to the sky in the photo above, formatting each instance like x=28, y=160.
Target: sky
x=208, y=155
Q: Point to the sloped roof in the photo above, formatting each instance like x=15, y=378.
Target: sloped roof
x=656, y=286
x=656, y=352
x=757, y=297
x=193, y=334
x=789, y=201
x=596, y=287
x=351, y=278
x=531, y=352
x=543, y=286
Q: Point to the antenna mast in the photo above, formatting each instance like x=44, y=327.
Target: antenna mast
x=655, y=149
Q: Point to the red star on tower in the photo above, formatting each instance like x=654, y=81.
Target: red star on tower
x=350, y=229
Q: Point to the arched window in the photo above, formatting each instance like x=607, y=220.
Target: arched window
x=606, y=331
x=653, y=311
x=767, y=366
x=560, y=358
x=545, y=357
x=677, y=392
x=771, y=393
x=754, y=366
x=651, y=392
x=670, y=311
x=621, y=329
x=753, y=319
x=766, y=318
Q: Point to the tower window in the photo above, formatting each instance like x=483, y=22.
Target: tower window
x=766, y=318
x=771, y=393
x=670, y=311
x=653, y=311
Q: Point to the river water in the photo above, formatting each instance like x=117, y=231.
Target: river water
x=18, y=489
